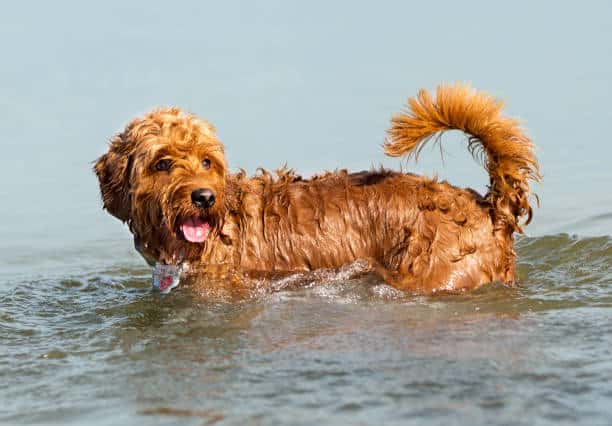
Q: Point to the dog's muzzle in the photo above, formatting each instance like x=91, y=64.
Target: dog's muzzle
x=203, y=198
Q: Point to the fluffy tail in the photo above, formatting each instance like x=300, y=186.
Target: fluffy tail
x=509, y=160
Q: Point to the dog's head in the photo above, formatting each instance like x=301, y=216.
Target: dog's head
x=165, y=175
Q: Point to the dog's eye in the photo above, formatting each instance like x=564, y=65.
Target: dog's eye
x=162, y=165
x=206, y=163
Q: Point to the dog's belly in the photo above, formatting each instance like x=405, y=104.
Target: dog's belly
x=322, y=248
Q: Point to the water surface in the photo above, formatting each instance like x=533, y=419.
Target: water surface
x=96, y=346
x=83, y=340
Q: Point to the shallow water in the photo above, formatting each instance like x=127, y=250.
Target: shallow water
x=96, y=346
x=83, y=340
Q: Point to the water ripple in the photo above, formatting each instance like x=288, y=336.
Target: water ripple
x=343, y=350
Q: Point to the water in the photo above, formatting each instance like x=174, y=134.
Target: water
x=98, y=347
x=83, y=340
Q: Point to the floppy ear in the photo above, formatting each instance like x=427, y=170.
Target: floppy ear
x=113, y=171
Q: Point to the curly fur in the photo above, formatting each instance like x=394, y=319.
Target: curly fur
x=419, y=234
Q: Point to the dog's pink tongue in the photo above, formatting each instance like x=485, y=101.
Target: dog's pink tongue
x=195, y=229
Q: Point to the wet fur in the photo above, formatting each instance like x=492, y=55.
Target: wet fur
x=419, y=234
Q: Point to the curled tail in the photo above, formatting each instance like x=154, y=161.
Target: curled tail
x=509, y=161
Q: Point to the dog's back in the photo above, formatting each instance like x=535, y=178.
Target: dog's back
x=420, y=234
x=408, y=227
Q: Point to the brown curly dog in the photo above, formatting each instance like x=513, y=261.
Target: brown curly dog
x=166, y=176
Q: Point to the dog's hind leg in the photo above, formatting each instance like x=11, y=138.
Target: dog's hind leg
x=401, y=281
x=428, y=275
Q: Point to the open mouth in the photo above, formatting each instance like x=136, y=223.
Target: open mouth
x=195, y=229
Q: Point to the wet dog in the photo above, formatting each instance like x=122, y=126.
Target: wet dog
x=166, y=176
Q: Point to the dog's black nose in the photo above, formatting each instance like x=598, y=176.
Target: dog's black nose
x=203, y=198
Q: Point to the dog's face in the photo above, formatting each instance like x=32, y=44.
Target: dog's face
x=165, y=175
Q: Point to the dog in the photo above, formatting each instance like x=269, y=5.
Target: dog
x=166, y=176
